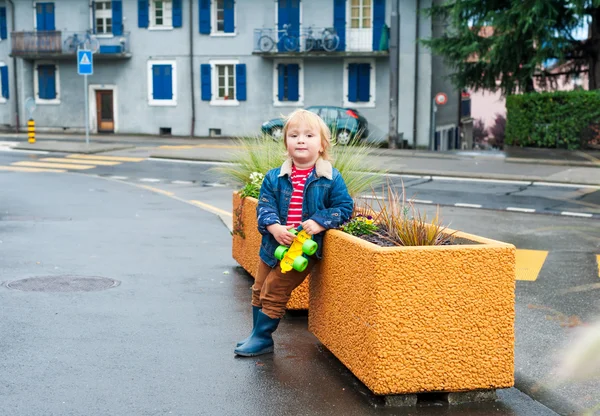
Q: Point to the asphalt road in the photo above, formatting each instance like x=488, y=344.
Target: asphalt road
x=160, y=341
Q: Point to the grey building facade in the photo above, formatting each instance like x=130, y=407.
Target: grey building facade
x=206, y=67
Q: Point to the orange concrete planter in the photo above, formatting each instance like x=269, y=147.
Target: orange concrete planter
x=245, y=250
x=417, y=319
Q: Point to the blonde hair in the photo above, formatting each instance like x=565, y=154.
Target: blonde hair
x=314, y=121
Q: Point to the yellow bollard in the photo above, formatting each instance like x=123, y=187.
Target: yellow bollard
x=31, y=130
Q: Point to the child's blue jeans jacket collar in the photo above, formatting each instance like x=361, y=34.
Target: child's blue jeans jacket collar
x=326, y=201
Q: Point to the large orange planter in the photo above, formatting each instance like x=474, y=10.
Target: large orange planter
x=417, y=319
x=245, y=248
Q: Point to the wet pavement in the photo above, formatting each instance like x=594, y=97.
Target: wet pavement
x=161, y=341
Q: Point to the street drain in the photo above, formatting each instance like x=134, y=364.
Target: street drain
x=65, y=283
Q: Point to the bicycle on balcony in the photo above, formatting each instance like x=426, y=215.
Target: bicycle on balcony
x=79, y=41
x=290, y=42
x=328, y=41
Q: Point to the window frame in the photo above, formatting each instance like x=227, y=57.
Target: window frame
x=372, y=84
x=36, y=83
x=213, y=20
x=149, y=78
x=152, y=16
x=300, y=102
x=214, y=81
x=3, y=100
x=95, y=18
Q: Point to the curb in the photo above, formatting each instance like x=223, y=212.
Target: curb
x=77, y=148
x=552, y=162
x=545, y=396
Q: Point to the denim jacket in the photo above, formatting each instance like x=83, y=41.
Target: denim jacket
x=326, y=201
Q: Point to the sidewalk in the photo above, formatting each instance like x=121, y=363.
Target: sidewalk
x=531, y=165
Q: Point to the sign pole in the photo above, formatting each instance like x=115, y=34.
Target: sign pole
x=87, y=115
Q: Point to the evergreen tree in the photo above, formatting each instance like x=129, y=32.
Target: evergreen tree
x=503, y=44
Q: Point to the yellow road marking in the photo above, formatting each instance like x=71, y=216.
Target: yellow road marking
x=598, y=263
x=173, y=147
x=218, y=146
x=110, y=158
x=80, y=161
x=211, y=208
x=23, y=169
x=52, y=165
x=153, y=189
x=529, y=264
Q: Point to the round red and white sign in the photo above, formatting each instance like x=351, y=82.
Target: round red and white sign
x=441, y=98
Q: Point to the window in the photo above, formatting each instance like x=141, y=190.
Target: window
x=47, y=83
x=162, y=83
x=360, y=14
x=3, y=28
x=103, y=16
x=44, y=16
x=3, y=82
x=359, y=83
x=161, y=14
x=217, y=17
x=288, y=83
x=223, y=82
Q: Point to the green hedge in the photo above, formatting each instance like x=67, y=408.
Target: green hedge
x=562, y=119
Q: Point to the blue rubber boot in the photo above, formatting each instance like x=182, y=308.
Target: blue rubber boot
x=261, y=340
x=255, y=310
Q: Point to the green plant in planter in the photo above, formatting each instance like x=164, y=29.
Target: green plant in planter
x=252, y=188
x=360, y=225
x=400, y=223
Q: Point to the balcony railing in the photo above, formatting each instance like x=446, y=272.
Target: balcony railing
x=57, y=43
x=317, y=40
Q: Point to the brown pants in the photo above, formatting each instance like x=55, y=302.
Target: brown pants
x=272, y=289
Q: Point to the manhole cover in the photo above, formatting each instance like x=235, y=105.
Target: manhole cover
x=63, y=284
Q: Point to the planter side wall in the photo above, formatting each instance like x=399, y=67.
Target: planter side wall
x=245, y=250
x=426, y=319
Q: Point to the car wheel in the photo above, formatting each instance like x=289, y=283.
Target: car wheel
x=276, y=133
x=343, y=137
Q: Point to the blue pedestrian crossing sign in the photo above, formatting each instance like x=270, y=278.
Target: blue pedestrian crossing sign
x=84, y=62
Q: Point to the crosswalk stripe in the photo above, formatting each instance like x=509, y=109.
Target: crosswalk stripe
x=110, y=158
x=529, y=264
x=80, y=161
x=52, y=165
x=24, y=169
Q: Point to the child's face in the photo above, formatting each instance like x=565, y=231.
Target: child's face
x=303, y=143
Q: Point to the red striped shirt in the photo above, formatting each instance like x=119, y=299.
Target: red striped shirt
x=295, y=209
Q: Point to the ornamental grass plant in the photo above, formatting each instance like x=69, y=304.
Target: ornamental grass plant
x=259, y=154
x=400, y=223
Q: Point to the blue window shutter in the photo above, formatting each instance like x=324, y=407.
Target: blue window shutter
x=4, y=76
x=39, y=17
x=352, y=82
x=339, y=22
x=378, y=22
x=177, y=14
x=228, y=16
x=117, y=17
x=364, y=80
x=167, y=79
x=205, y=82
x=143, y=13
x=293, y=86
x=281, y=68
x=204, y=9
x=162, y=82
x=50, y=16
x=47, y=82
x=240, y=82
x=3, y=31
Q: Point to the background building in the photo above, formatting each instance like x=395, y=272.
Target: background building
x=198, y=67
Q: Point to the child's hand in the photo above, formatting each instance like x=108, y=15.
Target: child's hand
x=281, y=234
x=312, y=227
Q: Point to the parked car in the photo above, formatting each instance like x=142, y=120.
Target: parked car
x=346, y=124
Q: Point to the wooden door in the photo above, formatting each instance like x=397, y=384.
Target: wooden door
x=105, y=111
